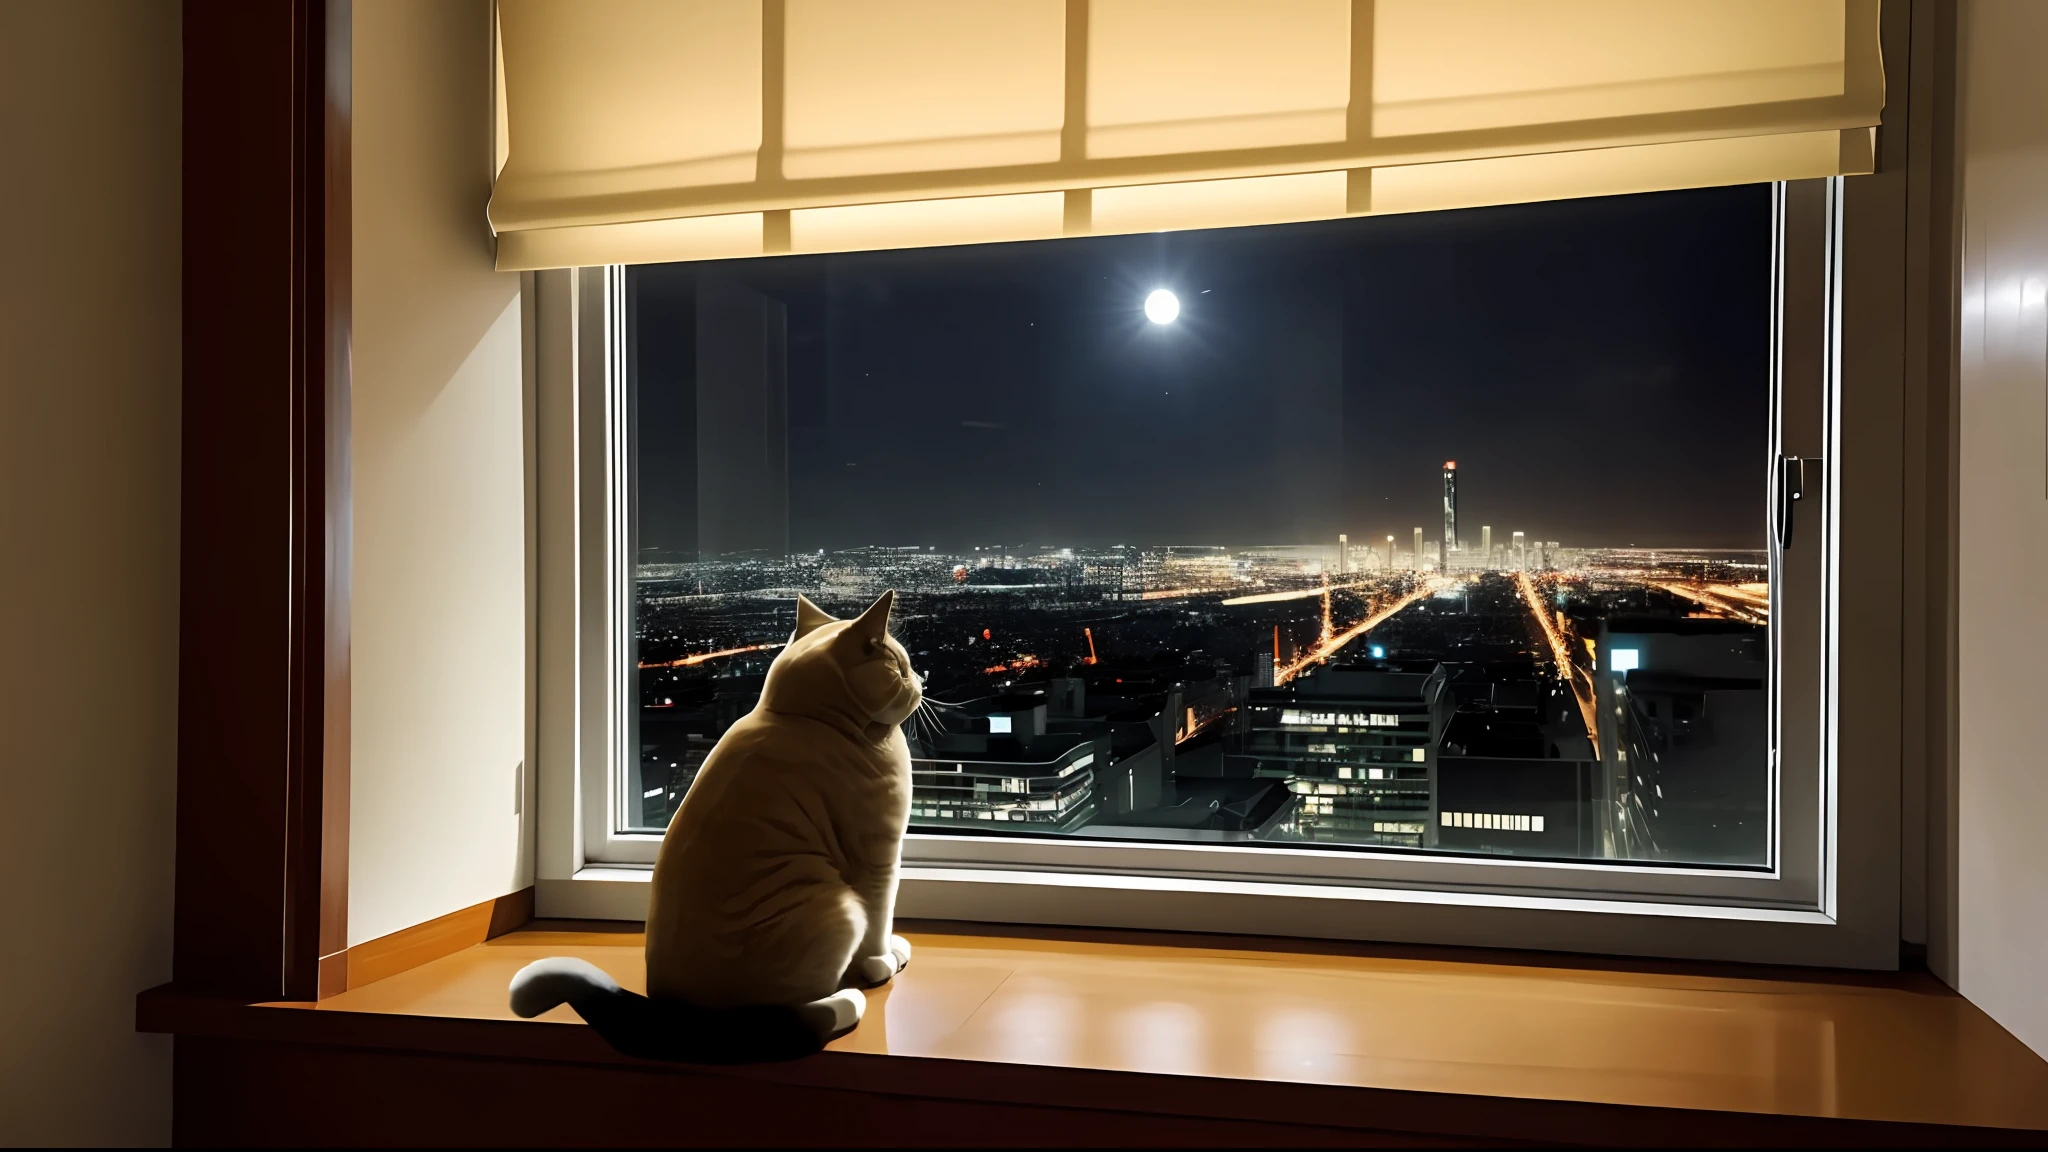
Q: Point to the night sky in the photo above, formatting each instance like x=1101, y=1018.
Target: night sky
x=1598, y=368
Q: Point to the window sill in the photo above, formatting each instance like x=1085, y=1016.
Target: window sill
x=1548, y=921
x=1332, y=1038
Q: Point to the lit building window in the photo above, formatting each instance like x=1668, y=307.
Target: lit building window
x=1491, y=821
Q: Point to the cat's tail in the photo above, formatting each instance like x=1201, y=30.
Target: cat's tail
x=670, y=1030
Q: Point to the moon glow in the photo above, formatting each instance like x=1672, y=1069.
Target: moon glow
x=1162, y=307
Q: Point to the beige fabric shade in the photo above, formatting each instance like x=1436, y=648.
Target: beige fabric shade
x=650, y=130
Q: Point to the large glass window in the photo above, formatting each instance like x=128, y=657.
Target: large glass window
x=1443, y=533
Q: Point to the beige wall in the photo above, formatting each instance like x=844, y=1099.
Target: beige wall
x=439, y=606
x=89, y=373
x=2002, y=817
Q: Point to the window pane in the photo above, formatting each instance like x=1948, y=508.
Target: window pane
x=1440, y=533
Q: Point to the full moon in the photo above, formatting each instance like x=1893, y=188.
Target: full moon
x=1161, y=307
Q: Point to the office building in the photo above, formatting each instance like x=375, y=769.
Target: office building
x=1486, y=545
x=1515, y=773
x=1009, y=767
x=1685, y=733
x=1699, y=745
x=1415, y=559
x=1355, y=746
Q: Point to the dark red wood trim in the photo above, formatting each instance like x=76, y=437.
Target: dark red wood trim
x=259, y=499
x=337, y=512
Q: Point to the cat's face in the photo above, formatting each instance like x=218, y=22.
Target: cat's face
x=853, y=667
x=882, y=681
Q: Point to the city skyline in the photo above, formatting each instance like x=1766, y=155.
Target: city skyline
x=1342, y=554
x=1101, y=692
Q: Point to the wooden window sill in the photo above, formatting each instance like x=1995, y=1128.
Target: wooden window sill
x=1399, y=1042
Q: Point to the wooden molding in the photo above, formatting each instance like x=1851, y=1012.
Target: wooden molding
x=333, y=974
x=336, y=682
x=373, y=960
x=262, y=661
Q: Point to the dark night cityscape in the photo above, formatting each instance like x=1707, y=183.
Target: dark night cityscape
x=1427, y=594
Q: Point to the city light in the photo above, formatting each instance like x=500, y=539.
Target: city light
x=1751, y=602
x=1274, y=597
x=1257, y=660
x=1561, y=654
x=1162, y=307
x=1329, y=644
x=700, y=657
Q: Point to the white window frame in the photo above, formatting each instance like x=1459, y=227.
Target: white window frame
x=1830, y=896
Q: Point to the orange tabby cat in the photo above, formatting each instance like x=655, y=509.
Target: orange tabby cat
x=775, y=888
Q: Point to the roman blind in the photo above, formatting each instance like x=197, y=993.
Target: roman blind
x=649, y=130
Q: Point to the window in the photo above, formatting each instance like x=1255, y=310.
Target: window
x=1444, y=552
x=1119, y=524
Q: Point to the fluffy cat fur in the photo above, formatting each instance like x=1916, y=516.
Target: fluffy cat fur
x=775, y=888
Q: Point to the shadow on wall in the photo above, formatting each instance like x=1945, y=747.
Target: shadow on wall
x=89, y=419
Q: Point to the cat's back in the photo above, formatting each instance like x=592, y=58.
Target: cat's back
x=764, y=757
x=772, y=788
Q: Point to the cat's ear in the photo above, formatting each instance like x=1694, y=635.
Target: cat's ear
x=809, y=617
x=874, y=622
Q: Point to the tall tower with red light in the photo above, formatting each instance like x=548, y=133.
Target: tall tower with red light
x=1450, y=510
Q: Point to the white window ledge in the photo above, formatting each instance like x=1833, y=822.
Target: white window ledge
x=1327, y=911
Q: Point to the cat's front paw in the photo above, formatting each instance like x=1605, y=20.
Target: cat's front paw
x=879, y=969
x=871, y=971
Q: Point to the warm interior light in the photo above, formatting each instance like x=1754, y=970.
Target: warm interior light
x=1161, y=307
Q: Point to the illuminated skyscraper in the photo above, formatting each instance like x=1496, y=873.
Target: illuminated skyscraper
x=1415, y=558
x=1486, y=545
x=1343, y=553
x=1519, y=554
x=1450, y=510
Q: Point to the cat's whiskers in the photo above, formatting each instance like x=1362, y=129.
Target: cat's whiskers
x=921, y=727
x=928, y=718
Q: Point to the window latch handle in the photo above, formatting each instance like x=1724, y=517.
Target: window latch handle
x=1791, y=489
